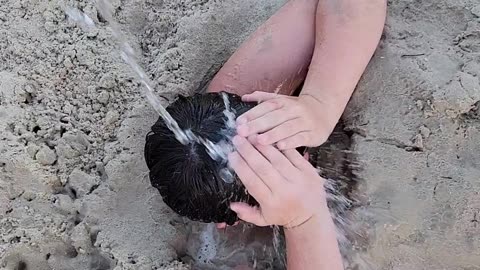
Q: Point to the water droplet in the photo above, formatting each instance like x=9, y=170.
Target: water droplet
x=227, y=175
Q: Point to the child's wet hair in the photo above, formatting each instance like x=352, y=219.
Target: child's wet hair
x=187, y=178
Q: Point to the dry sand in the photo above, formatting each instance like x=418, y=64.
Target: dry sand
x=74, y=191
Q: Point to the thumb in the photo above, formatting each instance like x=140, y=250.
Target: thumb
x=249, y=213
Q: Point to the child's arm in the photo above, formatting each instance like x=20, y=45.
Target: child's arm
x=291, y=194
x=347, y=34
x=275, y=57
x=314, y=245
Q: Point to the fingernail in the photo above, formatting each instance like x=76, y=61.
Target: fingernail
x=242, y=130
x=237, y=140
x=241, y=120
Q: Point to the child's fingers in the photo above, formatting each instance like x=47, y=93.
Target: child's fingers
x=255, y=186
x=282, y=132
x=259, y=96
x=278, y=160
x=297, y=160
x=258, y=163
x=264, y=123
x=299, y=139
x=224, y=225
x=249, y=214
x=259, y=110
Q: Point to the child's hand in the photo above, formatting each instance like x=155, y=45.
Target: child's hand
x=290, y=122
x=288, y=189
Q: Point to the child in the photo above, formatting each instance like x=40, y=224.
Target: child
x=327, y=43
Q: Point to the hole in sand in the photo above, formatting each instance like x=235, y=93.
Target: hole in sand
x=78, y=218
x=62, y=131
x=99, y=262
x=72, y=192
x=100, y=18
x=36, y=129
x=93, y=188
x=28, y=98
x=93, y=236
x=15, y=240
x=71, y=252
x=21, y=266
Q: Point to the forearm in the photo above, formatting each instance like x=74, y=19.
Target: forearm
x=276, y=56
x=313, y=245
x=347, y=34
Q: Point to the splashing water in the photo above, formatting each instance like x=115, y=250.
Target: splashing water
x=228, y=112
x=217, y=152
x=208, y=245
x=277, y=245
x=82, y=19
x=226, y=173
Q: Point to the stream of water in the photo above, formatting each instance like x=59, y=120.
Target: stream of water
x=218, y=151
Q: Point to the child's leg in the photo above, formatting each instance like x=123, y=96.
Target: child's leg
x=276, y=56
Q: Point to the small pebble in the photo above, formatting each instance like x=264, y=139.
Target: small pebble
x=46, y=156
x=29, y=88
x=425, y=132
x=20, y=95
x=81, y=182
x=96, y=107
x=68, y=63
x=80, y=238
x=103, y=97
x=419, y=104
x=476, y=11
x=66, y=151
x=418, y=142
x=64, y=204
x=111, y=118
x=107, y=81
x=54, y=183
x=29, y=196
x=50, y=26
x=92, y=33
x=32, y=149
x=67, y=108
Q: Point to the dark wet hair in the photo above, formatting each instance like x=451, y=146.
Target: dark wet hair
x=187, y=178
